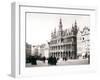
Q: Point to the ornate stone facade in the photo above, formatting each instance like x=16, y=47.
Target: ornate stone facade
x=63, y=43
x=86, y=40
x=28, y=50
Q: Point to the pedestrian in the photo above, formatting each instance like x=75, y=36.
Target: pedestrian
x=54, y=61
x=44, y=59
x=88, y=59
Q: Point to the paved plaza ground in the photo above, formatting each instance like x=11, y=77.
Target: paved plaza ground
x=60, y=62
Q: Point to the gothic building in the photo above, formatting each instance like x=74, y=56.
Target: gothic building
x=63, y=43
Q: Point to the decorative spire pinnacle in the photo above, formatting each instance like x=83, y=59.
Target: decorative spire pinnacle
x=60, y=21
x=72, y=28
x=60, y=25
x=75, y=22
x=75, y=27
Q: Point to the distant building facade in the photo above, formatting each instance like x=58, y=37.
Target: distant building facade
x=83, y=42
x=35, y=51
x=44, y=50
x=86, y=41
x=40, y=50
x=28, y=49
x=79, y=43
x=63, y=43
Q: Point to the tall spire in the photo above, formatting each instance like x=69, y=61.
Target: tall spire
x=60, y=21
x=72, y=27
x=60, y=25
x=75, y=26
x=75, y=23
x=60, y=28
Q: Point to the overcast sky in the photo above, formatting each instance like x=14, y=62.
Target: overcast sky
x=39, y=26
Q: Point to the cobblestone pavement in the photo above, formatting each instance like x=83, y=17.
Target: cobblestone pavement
x=60, y=62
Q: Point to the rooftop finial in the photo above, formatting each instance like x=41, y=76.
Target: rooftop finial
x=60, y=21
x=75, y=22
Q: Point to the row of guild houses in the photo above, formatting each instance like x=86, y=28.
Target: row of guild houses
x=69, y=43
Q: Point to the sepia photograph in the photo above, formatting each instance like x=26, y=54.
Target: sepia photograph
x=54, y=39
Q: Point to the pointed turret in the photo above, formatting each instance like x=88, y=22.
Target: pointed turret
x=60, y=28
x=75, y=26
x=60, y=25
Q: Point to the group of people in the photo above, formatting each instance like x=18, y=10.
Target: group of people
x=33, y=60
x=52, y=60
x=65, y=58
